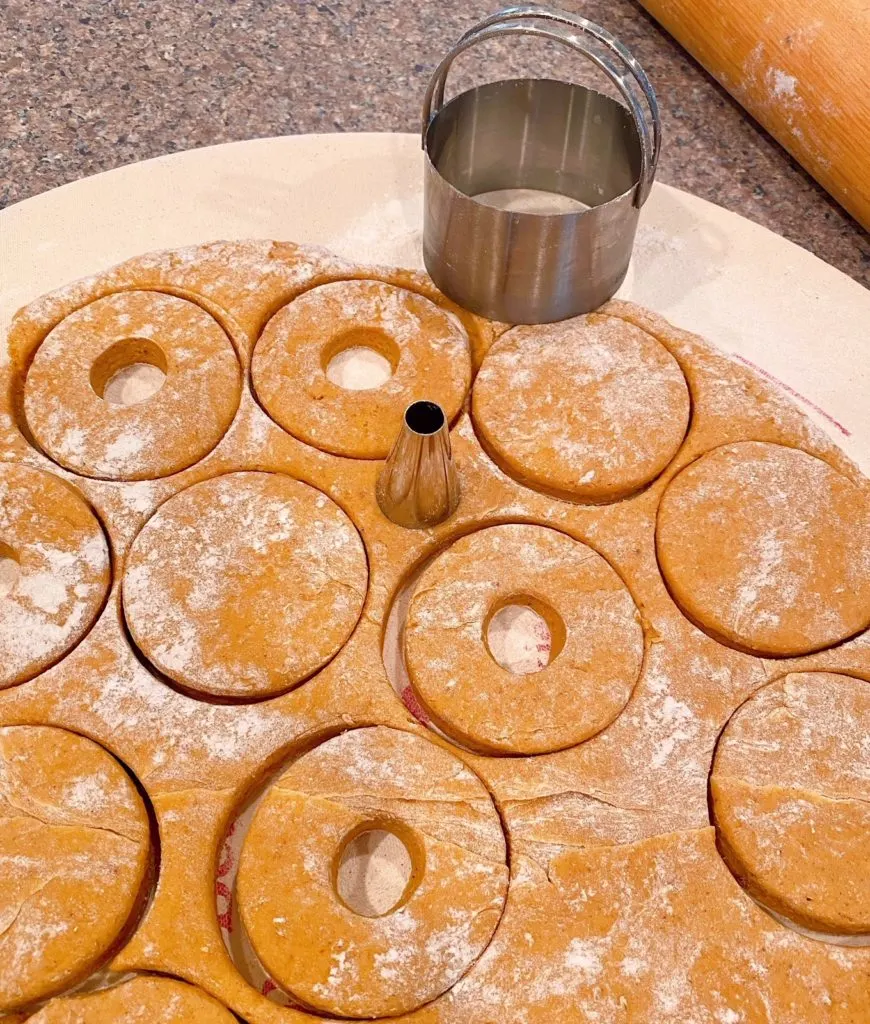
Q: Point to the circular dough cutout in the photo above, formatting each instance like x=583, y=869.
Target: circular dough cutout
x=74, y=847
x=142, y=1000
x=244, y=585
x=82, y=427
x=55, y=571
x=426, y=347
x=791, y=800
x=595, y=649
x=767, y=549
x=590, y=409
x=325, y=954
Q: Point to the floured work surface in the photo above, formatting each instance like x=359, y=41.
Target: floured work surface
x=554, y=870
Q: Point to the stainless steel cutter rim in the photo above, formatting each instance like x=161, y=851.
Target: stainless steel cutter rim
x=521, y=20
x=529, y=213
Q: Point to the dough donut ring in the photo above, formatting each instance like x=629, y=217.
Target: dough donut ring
x=62, y=575
x=597, y=641
x=327, y=956
x=790, y=794
x=75, y=848
x=150, y=999
x=201, y=578
x=427, y=348
x=767, y=549
x=168, y=432
x=590, y=409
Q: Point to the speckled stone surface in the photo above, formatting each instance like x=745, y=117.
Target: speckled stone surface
x=86, y=85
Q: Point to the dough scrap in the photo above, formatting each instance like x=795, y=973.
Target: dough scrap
x=652, y=932
x=144, y=1000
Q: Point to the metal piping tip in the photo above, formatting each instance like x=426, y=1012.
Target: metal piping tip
x=418, y=486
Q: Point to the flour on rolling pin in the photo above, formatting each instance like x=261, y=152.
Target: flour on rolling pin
x=800, y=68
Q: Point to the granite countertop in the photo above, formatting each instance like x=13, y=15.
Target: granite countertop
x=86, y=85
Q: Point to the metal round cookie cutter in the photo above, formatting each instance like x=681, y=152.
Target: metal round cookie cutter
x=539, y=134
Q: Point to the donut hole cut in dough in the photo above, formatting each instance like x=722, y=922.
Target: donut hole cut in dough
x=362, y=958
x=524, y=634
x=302, y=379
x=360, y=359
x=10, y=569
x=94, y=421
x=377, y=869
x=129, y=372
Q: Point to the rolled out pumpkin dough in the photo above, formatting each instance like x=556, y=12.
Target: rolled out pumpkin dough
x=427, y=349
x=144, y=1000
x=590, y=409
x=64, y=392
x=57, y=563
x=620, y=905
x=243, y=585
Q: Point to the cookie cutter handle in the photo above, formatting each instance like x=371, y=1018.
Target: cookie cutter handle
x=606, y=53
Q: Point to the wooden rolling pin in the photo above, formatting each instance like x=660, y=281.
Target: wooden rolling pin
x=801, y=68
